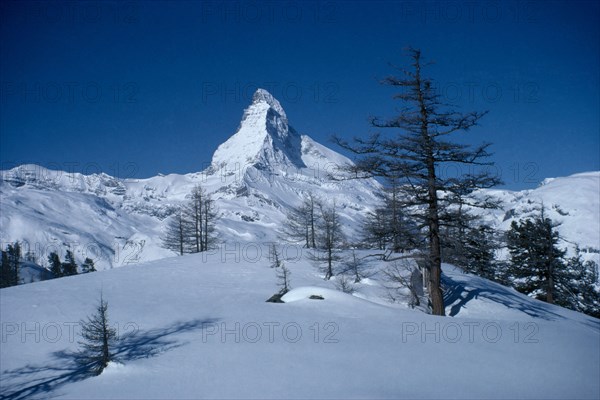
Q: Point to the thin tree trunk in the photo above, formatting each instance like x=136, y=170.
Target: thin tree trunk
x=105, y=352
x=550, y=290
x=435, y=260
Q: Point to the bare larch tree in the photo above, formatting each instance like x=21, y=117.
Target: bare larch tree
x=415, y=155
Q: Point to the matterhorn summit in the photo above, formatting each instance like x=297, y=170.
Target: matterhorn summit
x=268, y=167
x=267, y=158
x=264, y=139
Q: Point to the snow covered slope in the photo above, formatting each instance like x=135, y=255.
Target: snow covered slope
x=256, y=176
x=198, y=326
x=573, y=202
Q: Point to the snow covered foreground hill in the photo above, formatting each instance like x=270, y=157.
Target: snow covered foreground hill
x=198, y=326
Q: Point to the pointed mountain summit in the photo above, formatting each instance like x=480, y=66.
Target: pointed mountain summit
x=263, y=140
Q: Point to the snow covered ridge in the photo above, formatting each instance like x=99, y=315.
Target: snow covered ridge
x=572, y=201
x=255, y=176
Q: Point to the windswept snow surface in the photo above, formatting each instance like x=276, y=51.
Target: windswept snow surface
x=198, y=326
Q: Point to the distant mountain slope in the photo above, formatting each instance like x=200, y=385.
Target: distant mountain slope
x=256, y=176
x=572, y=201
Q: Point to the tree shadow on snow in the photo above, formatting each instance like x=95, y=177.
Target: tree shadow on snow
x=458, y=294
x=67, y=366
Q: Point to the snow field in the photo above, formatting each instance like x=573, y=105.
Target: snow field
x=198, y=327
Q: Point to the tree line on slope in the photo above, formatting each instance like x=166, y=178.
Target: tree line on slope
x=69, y=266
x=9, y=268
x=12, y=261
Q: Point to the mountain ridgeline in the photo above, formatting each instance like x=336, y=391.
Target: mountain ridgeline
x=255, y=178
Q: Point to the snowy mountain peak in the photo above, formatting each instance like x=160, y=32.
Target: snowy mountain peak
x=263, y=138
x=263, y=96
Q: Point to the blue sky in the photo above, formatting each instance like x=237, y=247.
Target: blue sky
x=134, y=89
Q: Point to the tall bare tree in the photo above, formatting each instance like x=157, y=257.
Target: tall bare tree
x=301, y=224
x=416, y=154
x=177, y=234
x=201, y=214
x=191, y=229
x=329, y=239
x=211, y=215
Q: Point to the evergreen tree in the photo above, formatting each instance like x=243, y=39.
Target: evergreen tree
x=69, y=267
x=88, y=266
x=194, y=213
x=537, y=266
x=479, y=250
x=416, y=155
x=456, y=222
x=55, y=265
x=375, y=232
x=30, y=256
x=13, y=253
x=211, y=216
x=585, y=296
x=6, y=276
x=466, y=240
x=98, y=337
